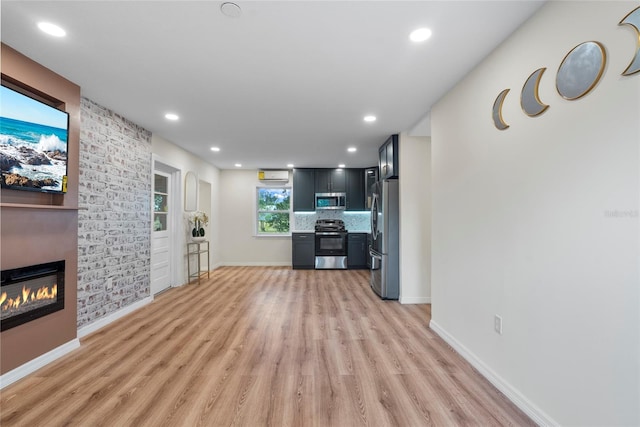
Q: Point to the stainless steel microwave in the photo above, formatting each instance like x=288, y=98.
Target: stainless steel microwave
x=331, y=201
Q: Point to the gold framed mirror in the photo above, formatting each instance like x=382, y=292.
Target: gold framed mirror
x=190, y=192
x=529, y=97
x=498, y=120
x=581, y=70
x=633, y=20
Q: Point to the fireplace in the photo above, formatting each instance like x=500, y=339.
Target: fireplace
x=28, y=293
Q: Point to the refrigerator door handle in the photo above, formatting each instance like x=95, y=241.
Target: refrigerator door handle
x=373, y=218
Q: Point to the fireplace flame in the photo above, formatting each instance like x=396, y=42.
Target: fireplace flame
x=40, y=294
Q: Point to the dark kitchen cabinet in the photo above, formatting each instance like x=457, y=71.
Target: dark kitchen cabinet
x=331, y=181
x=307, y=182
x=304, y=190
x=357, y=250
x=303, y=249
x=355, y=190
x=370, y=178
x=388, y=158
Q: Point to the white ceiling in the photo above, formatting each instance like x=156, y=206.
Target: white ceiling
x=286, y=82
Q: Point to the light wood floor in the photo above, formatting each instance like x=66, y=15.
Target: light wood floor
x=262, y=347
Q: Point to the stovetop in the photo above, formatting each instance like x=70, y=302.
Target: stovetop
x=330, y=225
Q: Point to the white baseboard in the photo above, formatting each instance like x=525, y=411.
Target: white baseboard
x=256, y=264
x=101, y=323
x=415, y=300
x=37, y=363
x=518, y=399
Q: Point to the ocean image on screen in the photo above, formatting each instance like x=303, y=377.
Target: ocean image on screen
x=33, y=143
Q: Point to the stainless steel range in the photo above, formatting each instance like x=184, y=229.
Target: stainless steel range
x=331, y=244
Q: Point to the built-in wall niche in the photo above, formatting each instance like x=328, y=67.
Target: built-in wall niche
x=31, y=292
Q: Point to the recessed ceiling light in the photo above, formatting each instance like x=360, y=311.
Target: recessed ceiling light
x=352, y=149
x=341, y=165
x=231, y=10
x=52, y=29
x=420, y=35
x=171, y=116
x=290, y=165
x=369, y=118
x=238, y=165
x=215, y=148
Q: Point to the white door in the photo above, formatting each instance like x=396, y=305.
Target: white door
x=160, y=237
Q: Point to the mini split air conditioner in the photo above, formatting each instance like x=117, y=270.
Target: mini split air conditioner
x=273, y=175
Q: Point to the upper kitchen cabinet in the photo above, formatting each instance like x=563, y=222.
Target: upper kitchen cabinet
x=304, y=190
x=355, y=189
x=331, y=181
x=370, y=178
x=388, y=158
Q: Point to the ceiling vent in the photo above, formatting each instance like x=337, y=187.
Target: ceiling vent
x=271, y=175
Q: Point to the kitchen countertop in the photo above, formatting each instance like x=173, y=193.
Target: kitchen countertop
x=349, y=231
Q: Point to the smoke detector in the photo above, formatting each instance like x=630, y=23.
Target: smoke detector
x=231, y=10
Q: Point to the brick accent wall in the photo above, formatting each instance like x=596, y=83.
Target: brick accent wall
x=114, y=231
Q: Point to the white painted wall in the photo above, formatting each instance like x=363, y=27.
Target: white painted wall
x=172, y=155
x=205, y=204
x=237, y=231
x=539, y=223
x=415, y=219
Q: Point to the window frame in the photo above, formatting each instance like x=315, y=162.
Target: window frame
x=257, y=211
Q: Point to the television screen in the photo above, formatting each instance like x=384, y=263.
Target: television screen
x=33, y=143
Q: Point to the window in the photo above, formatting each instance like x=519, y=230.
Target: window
x=160, y=202
x=274, y=210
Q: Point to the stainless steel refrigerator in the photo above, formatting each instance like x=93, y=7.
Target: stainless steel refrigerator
x=385, y=239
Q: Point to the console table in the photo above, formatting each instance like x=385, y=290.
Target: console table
x=197, y=249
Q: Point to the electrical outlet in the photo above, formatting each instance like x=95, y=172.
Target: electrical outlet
x=497, y=324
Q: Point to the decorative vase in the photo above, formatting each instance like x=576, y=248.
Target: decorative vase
x=197, y=233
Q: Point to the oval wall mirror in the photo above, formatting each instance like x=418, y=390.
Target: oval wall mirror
x=580, y=70
x=190, y=192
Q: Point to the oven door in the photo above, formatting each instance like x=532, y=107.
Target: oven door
x=331, y=250
x=331, y=243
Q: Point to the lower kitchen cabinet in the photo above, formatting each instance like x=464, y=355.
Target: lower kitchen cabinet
x=303, y=250
x=357, y=250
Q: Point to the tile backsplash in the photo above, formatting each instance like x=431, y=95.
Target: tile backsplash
x=353, y=221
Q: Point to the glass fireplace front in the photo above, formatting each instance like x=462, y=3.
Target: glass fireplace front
x=28, y=293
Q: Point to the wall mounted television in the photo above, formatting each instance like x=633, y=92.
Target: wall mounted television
x=34, y=138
